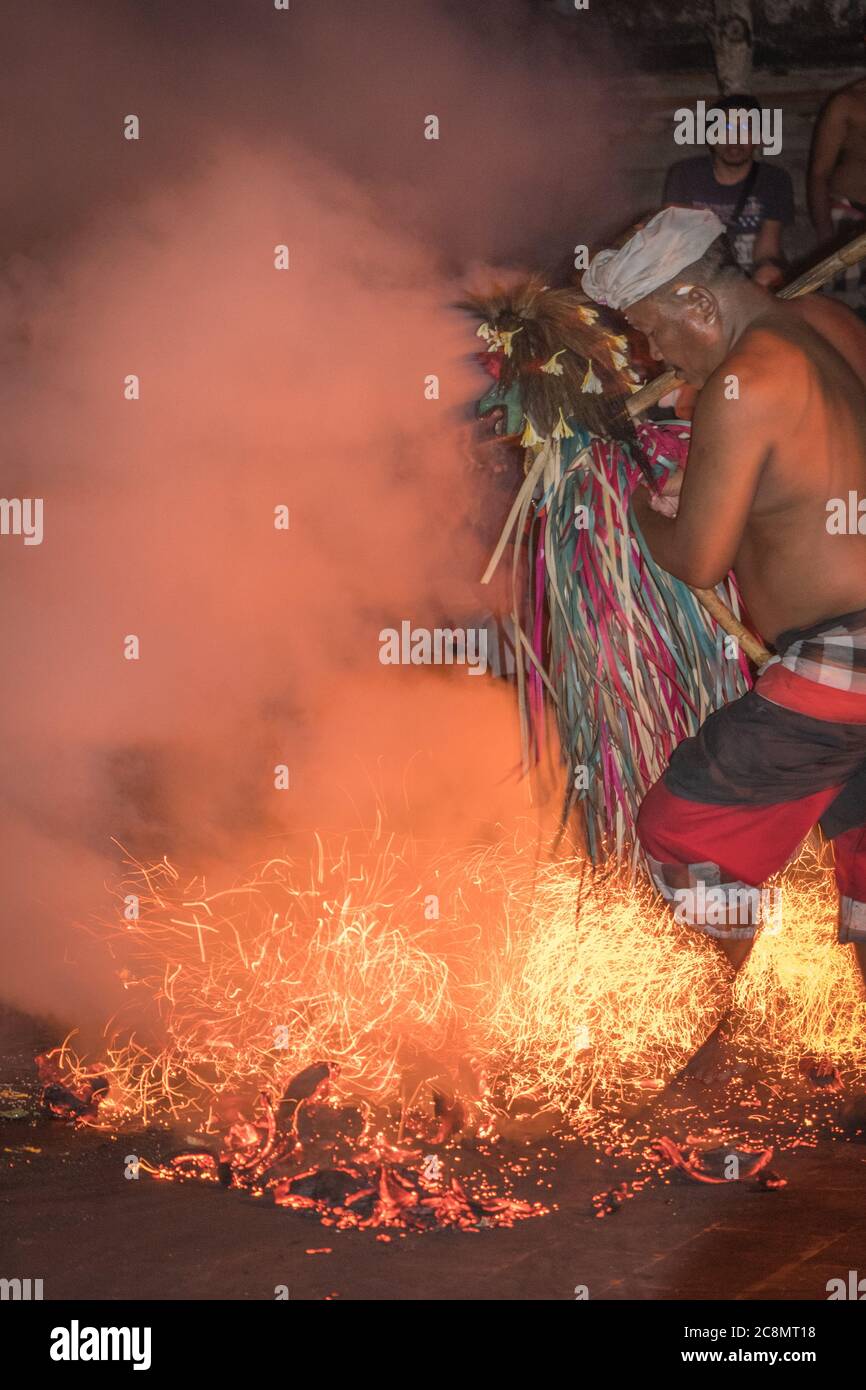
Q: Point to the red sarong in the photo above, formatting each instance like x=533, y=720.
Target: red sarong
x=737, y=801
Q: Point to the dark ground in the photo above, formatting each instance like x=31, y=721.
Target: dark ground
x=69, y=1216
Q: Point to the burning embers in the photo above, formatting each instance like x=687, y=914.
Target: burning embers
x=78, y=1100
x=396, y=1196
x=536, y=1001
x=315, y=1153
x=573, y=989
x=359, y=1181
x=721, y=1165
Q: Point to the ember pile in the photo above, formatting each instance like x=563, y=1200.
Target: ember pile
x=311, y=1153
x=359, y=1025
x=358, y=1184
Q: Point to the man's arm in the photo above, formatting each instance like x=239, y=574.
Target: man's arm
x=778, y=201
x=731, y=442
x=827, y=144
x=768, y=255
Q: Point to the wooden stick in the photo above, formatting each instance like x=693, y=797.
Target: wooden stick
x=755, y=650
x=650, y=394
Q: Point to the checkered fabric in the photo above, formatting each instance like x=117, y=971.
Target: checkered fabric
x=726, y=911
x=832, y=656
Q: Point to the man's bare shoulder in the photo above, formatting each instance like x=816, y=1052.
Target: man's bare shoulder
x=821, y=309
x=838, y=325
x=849, y=100
x=758, y=376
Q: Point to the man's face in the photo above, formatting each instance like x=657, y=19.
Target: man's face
x=739, y=150
x=686, y=337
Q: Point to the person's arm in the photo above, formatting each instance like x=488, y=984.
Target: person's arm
x=769, y=263
x=778, y=213
x=731, y=442
x=827, y=144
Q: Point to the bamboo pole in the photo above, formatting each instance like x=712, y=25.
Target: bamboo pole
x=650, y=394
x=755, y=650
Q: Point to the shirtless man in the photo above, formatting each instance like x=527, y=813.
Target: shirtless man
x=779, y=432
x=837, y=184
x=837, y=166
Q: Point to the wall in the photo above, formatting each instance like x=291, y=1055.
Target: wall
x=672, y=34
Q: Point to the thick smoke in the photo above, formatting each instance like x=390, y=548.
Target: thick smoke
x=259, y=388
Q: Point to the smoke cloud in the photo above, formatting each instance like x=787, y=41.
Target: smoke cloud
x=259, y=388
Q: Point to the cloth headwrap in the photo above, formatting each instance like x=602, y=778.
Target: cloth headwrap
x=668, y=243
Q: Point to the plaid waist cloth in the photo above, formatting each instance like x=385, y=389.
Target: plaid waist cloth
x=832, y=653
x=801, y=731
x=849, y=221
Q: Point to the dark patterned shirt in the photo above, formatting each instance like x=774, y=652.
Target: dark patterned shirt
x=692, y=184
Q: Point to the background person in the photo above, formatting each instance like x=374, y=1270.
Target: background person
x=753, y=199
x=837, y=184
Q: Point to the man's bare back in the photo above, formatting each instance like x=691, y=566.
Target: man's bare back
x=805, y=365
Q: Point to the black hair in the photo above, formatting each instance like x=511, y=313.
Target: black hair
x=736, y=101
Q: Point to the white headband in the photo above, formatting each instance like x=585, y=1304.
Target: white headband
x=668, y=243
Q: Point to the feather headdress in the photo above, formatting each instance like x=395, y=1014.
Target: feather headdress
x=553, y=345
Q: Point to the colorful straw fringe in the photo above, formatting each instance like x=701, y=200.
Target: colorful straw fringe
x=630, y=658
